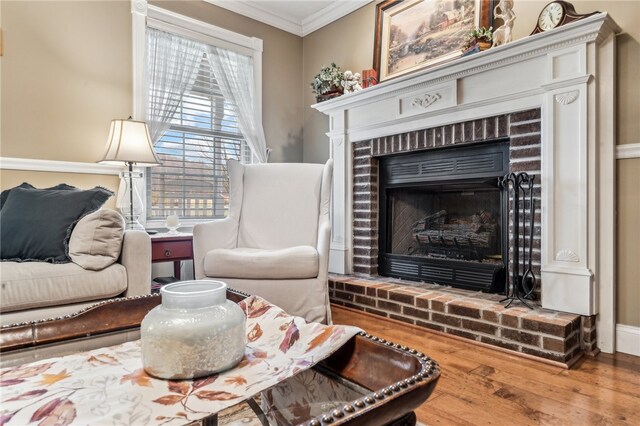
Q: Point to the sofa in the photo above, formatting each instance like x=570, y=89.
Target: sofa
x=105, y=262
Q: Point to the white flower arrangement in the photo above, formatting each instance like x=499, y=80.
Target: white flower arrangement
x=328, y=80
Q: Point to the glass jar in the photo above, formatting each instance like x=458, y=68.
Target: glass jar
x=195, y=332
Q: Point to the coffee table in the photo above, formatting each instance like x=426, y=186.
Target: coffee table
x=368, y=381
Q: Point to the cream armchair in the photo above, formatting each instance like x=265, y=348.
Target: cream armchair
x=275, y=241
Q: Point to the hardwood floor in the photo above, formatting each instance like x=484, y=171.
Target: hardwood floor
x=481, y=386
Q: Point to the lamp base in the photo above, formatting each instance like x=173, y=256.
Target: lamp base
x=129, y=201
x=132, y=223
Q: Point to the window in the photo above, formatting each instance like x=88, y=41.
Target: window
x=192, y=180
x=196, y=125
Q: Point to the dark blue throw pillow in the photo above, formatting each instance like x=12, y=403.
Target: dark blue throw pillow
x=25, y=185
x=6, y=192
x=35, y=224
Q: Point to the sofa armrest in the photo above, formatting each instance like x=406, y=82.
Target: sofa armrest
x=221, y=233
x=136, y=258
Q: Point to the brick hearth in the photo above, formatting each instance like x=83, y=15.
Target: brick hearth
x=555, y=336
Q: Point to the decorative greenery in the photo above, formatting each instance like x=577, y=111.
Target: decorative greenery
x=328, y=80
x=478, y=35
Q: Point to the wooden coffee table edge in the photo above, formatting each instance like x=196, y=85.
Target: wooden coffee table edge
x=104, y=317
x=400, y=380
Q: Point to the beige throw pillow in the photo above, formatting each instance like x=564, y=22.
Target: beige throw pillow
x=96, y=240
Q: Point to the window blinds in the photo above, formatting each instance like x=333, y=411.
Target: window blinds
x=192, y=180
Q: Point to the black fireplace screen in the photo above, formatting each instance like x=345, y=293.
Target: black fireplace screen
x=460, y=224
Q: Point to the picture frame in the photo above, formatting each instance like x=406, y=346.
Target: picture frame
x=412, y=35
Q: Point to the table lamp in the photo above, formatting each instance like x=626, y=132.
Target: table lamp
x=130, y=143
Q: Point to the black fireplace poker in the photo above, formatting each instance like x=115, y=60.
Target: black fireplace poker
x=521, y=283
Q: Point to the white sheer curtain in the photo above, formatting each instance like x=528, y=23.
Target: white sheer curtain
x=173, y=65
x=234, y=73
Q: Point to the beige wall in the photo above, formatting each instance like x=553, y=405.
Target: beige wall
x=67, y=72
x=629, y=241
x=349, y=43
x=0, y=84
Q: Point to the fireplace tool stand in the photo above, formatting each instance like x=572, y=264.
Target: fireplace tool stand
x=522, y=282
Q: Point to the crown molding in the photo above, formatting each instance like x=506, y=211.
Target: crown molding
x=334, y=11
x=35, y=165
x=253, y=9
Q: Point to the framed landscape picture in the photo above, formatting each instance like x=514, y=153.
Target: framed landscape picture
x=414, y=34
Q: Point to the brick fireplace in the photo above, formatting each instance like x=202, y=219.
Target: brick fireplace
x=555, y=336
x=551, y=98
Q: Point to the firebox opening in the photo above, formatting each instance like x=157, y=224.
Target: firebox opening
x=442, y=216
x=445, y=223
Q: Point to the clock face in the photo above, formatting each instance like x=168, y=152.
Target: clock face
x=550, y=16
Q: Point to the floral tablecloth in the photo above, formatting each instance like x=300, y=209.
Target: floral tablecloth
x=109, y=386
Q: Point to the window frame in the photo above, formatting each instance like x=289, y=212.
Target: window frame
x=145, y=15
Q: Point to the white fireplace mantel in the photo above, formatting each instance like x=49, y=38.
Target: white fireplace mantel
x=570, y=74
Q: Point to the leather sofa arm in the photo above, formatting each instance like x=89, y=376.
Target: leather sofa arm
x=221, y=233
x=136, y=258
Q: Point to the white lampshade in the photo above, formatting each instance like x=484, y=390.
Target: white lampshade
x=129, y=142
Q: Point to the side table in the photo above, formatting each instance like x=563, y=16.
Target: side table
x=172, y=248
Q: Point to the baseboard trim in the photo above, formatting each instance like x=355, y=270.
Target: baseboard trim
x=35, y=165
x=628, y=339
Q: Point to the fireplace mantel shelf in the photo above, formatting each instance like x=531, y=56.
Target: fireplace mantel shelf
x=569, y=74
x=595, y=28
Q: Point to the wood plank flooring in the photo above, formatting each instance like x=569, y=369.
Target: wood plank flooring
x=482, y=386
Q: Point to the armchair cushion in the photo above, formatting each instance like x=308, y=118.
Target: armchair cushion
x=288, y=263
x=96, y=240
